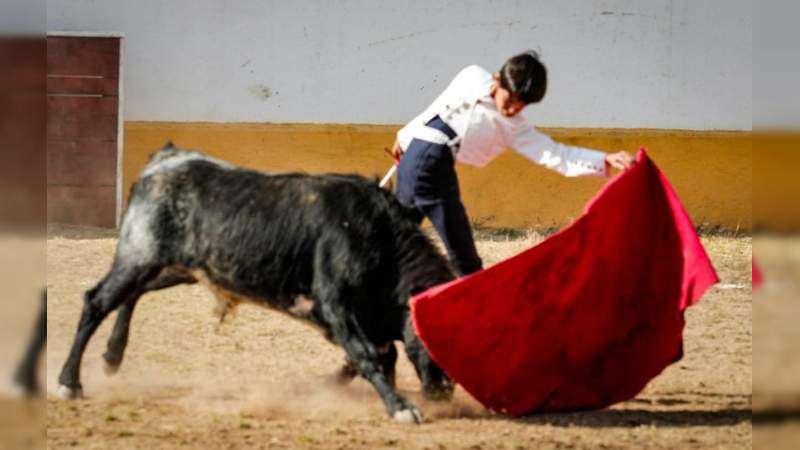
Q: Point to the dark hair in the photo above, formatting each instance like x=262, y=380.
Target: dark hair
x=525, y=77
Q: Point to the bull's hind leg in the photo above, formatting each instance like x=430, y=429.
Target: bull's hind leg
x=121, y=285
x=118, y=339
x=436, y=385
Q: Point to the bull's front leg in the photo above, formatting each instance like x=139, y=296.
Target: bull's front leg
x=387, y=354
x=365, y=358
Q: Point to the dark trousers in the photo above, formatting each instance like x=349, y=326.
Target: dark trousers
x=427, y=182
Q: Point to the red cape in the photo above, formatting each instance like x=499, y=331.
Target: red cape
x=583, y=320
x=757, y=278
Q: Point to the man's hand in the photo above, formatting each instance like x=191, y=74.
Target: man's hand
x=619, y=160
x=396, y=152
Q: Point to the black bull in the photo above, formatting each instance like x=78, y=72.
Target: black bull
x=333, y=250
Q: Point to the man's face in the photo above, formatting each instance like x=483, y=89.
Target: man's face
x=505, y=102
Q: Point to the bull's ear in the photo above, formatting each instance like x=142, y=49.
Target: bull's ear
x=169, y=144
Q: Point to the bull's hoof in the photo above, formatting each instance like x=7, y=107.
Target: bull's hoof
x=24, y=390
x=411, y=415
x=110, y=369
x=68, y=393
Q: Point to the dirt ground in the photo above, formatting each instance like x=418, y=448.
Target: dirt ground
x=776, y=337
x=260, y=380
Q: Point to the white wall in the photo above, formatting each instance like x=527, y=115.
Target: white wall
x=776, y=42
x=623, y=63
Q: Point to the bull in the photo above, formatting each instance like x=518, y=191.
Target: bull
x=333, y=250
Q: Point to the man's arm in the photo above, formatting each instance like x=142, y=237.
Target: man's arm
x=568, y=160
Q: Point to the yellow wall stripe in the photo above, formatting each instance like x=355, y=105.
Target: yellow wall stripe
x=711, y=171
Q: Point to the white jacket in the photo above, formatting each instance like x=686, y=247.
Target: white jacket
x=483, y=132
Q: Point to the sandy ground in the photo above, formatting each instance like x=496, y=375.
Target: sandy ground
x=776, y=337
x=22, y=278
x=260, y=380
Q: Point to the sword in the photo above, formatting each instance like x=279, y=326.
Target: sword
x=388, y=176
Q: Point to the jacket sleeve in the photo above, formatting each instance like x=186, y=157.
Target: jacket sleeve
x=566, y=159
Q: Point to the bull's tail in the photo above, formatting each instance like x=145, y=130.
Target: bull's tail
x=167, y=151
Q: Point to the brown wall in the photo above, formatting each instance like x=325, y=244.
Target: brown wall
x=711, y=171
x=82, y=117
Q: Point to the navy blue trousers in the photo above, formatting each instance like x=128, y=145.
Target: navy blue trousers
x=427, y=183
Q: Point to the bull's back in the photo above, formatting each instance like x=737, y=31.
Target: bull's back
x=260, y=233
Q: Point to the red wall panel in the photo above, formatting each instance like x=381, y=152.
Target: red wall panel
x=82, y=129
